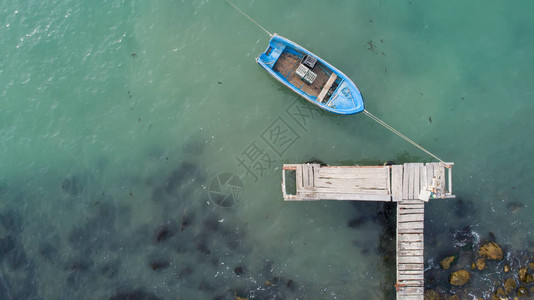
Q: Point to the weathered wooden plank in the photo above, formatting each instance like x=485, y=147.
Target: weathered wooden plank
x=298, y=177
x=429, y=173
x=305, y=174
x=412, y=252
x=416, y=296
x=414, y=267
x=356, y=172
x=422, y=177
x=419, y=276
x=396, y=182
x=410, y=217
x=442, y=180
x=326, y=87
x=340, y=196
x=410, y=245
x=449, y=189
x=410, y=260
x=367, y=183
x=311, y=175
x=411, y=290
x=388, y=181
x=410, y=296
x=410, y=237
x=316, y=168
x=284, y=192
x=406, y=211
x=412, y=201
x=414, y=244
x=415, y=283
x=416, y=180
x=371, y=168
x=411, y=206
x=410, y=230
x=411, y=180
x=411, y=225
x=405, y=180
x=350, y=179
x=409, y=272
x=343, y=190
x=411, y=212
x=289, y=167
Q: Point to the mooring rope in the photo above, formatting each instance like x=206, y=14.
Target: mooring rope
x=230, y=2
x=395, y=131
x=370, y=115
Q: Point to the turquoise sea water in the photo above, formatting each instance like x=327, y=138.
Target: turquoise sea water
x=116, y=115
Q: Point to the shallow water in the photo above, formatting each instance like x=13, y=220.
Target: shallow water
x=116, y=115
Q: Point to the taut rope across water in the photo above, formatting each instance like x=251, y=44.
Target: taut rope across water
x=367, y=113
x=239, y=10
x=395, y=131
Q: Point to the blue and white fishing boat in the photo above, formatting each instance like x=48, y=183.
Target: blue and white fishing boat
x=311, y=77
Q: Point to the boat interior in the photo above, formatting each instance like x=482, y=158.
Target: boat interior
x=307, y=74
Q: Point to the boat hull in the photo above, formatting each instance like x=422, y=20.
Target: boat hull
x=311, y=77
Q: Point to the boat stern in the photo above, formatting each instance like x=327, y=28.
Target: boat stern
x=269, y=57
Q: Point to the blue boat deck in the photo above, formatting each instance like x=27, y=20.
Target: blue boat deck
x=286, y=66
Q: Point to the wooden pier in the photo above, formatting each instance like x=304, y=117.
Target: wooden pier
x=410, y=185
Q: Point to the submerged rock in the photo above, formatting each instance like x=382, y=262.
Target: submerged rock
x=460, y=277
x=109, y=270
x=463, y=209
x=12, y=222
x=7, y=244
x=165, y=231
x=238, y=270
x=509, y=285
x=522, y=291
x=506, y=268
x=290, y=284
x=515, y=207
x=480, y=264
x=432, y=295
x=491, y=251
x=357, y=222
x=499, y=294
x=137, y=294
x=447, y=261
x=47, y=251
x=524, y=276
x=159, y=264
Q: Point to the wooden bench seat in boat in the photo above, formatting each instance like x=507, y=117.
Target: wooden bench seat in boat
x=326, y=87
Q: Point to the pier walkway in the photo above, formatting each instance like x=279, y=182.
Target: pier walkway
x=410, y=185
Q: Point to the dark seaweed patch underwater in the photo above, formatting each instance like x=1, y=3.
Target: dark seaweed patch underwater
x=188, y=247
